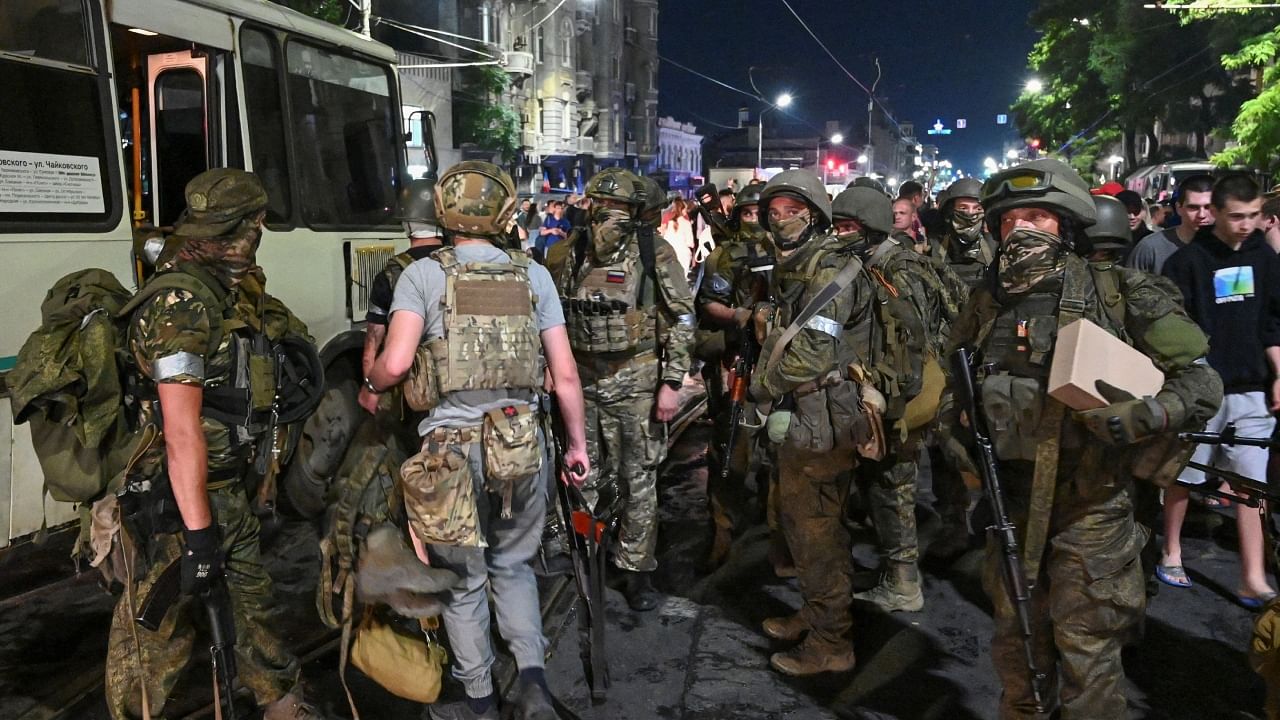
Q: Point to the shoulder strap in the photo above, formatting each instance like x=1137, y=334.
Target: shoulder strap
x=648, y=260
x=841, y=281
x=1109, y=281
x=447, y=257
x=194, y=280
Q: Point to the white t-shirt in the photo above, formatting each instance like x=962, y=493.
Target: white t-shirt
x=420, y=291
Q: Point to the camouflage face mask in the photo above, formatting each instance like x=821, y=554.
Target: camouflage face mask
x=609, y=230
x=968, y=226
x=229, y=257
x=789, y=233
x=1029, y=256
x=857, y=241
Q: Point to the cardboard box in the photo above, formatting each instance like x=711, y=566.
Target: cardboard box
x=1084, y=354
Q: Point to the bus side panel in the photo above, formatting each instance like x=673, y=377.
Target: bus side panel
x=6, y=467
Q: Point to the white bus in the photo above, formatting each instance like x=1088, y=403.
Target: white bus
x=111, y=106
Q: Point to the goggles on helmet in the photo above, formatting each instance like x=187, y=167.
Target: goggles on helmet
x=1016, y=182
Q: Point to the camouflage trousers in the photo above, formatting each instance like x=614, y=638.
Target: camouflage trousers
x=812, y=490
x=1085, y=606
x=263, y=663
x=891, y=496
x=626, y=445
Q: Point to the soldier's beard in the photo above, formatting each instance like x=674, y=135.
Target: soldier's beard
x=229, y=258
x=609, y=230
x=1029, y=256
x=967, y=226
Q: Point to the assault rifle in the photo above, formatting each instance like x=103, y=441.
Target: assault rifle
x=1015, y=579
x=222, y=630
x=1253, y=493
x=591, y=531
x=739, y=381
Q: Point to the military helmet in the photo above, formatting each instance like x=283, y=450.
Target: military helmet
x=1112, y=229
x=867, y=182
x=1043, y=183
x=217, y=200
x=475, y=198
x=417, y=202
x=619, y=184
x=962, y=188
x=749, y=194
x=301, y=385
x=871, y=208
x=801, y=185
x=654, y=201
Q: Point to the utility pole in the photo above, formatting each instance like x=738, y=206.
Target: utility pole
x=365, y=13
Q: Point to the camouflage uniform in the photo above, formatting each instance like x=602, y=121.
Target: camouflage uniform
x=625, y=443
x=1074, y=516
x=729, y=281
x=173, y=323
x=814, y=477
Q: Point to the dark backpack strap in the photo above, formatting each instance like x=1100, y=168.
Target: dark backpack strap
x=648, y=260
x=841, y=281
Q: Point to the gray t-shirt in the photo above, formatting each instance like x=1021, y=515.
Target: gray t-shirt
x=420, y=291
x=1151, y=251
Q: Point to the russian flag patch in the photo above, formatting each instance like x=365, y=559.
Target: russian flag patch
x=617, y=277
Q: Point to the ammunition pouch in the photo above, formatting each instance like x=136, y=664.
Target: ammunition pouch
x=511, y=451
x=1013, y=406
x=439, y=489
x=244, y=403
x=607, y=326
x=422, y=387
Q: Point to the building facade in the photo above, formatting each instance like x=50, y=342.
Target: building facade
x=679, y=156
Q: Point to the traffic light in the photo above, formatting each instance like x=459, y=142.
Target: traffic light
x=1035, y=143
x=831, y=164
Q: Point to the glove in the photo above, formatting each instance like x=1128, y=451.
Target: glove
x=776, y=426
x=762, y=320
x=1127, y=419
x=202, y=560
x=742, y=316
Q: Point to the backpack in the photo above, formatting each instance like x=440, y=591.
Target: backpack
x=74, y=376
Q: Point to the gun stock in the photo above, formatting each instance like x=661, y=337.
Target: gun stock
x=1015, y=579
x=222, y=648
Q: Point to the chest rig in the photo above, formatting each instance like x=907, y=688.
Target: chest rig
x=491, y=339
x=609, y=308
x=969, y=263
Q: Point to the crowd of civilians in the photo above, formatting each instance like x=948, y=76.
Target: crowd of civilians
x=1218, y=242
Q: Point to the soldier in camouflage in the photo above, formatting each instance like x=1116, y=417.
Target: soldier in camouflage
x=630, y=317
x=735, y=279
x=204, y=459
x=864, y=219
x=801, y=375
x=1069, y=476
x=490, y=325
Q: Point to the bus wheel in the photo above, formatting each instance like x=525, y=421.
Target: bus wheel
x=325, y=437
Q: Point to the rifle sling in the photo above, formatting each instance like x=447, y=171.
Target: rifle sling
x=841, y=281
x=1075, y=285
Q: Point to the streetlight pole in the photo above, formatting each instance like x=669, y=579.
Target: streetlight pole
x=783, y=101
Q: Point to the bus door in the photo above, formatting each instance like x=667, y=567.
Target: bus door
x=178, y=112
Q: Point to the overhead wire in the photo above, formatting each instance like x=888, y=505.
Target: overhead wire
x=547, y=16
x=428, y=33
x=888, y=115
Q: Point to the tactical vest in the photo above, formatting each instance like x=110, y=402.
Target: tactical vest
x=604, y=311
x=968, y=263
x=1017, y=351
x=491, y=339
x=880, y=344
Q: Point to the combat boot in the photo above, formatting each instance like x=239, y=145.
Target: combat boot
x=788, y=628
x=293, y=706
x=639, y=591
x=814, y=656
x=531, y=703
x=899, y=589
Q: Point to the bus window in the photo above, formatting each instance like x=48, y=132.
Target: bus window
x=346, y=135
x=180, y=149
x=260, y=63
x=59, y=163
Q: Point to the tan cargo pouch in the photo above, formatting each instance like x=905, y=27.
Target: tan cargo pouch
x=422, y=387
x=262, y=382
x=607, y=326
x=410, y=666
x=509, y=444
x=439, y=490
x=922, y=409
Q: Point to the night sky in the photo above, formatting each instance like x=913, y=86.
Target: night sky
x=944, y=59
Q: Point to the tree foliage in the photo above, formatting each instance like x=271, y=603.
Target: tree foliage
x=481, y=116
x=1112, y=69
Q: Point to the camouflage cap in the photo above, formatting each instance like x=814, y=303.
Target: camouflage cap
x=218, y=199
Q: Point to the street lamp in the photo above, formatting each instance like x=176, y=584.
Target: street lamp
x=784, y=100
x=837, y=138
x=1035, y=86
x=1012, y=154
x=1114, y=160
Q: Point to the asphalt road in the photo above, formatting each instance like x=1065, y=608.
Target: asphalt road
x=700, y=655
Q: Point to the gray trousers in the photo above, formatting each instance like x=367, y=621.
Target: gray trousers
x=503, y=565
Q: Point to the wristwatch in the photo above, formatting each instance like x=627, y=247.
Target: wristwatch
x=368, y=385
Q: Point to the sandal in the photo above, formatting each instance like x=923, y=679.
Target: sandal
x=1173, y=575
x=1254, y=603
